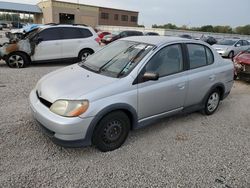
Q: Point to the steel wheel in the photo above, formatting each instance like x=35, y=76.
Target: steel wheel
x=16, y=61
x=213, y=102
x=112, y=132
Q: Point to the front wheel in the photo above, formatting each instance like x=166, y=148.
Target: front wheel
x=17, y=60
x=231, y=55
x=111, y=132
x=212, y=102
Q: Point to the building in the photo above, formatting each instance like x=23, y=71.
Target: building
x=20, y=13
x=52, y=11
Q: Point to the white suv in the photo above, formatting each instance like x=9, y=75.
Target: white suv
x=51, y=43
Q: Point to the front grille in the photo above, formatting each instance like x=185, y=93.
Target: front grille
x=43, y=101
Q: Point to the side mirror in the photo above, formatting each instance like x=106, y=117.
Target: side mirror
x=237, y=45
x=150, y=76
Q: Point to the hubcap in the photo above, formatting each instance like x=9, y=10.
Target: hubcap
x=112, y=131
x=213, y=102
x=16, y=61
x=85, y=55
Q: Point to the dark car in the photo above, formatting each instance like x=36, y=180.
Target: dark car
x=118, y=35
x=17, y=25
x=209, y=39
x=242, y=65
x=186, y=36
x=4, y=25
x=151, y=34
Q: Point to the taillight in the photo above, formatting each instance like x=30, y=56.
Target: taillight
x=98, y=40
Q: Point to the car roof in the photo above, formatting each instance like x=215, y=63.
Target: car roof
x=63, y=25
x=156, y=40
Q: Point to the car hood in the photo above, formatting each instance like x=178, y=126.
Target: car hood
x=244, y=58
x=220, y=47
x=70, y=83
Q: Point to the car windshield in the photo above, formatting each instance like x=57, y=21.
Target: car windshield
x=117, y=59
x=32, y=33
x=226, y=42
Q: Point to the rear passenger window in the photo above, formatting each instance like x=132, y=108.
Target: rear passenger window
x=199, y=56
x=86, y=33
x=210, y=56
x=72, y=33
x=167, y=61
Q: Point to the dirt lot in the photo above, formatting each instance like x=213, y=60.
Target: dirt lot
x=185, y=151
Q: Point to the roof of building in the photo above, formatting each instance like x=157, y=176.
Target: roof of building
x=59, y=1
x=19, y=7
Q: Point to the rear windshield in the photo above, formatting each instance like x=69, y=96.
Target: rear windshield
x=117, y=59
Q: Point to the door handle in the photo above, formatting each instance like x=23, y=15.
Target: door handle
x=181, y=86
x=212, y=77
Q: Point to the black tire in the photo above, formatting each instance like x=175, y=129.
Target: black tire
x=231, y=55
x=209, y=108
x=17, y=60
x=111, y=132
x=84, y=54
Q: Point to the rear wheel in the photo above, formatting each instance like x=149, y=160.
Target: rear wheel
x=212, y=102
x=111, y=132
x=17, y=60
x=84, y=54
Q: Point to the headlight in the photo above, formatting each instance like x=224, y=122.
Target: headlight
x=69, y=108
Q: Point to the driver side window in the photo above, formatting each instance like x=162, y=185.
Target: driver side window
x=167, y=61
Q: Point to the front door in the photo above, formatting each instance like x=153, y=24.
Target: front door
x=50, y=45
x=166, y=95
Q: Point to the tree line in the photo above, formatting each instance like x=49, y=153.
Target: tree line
x=242, y=30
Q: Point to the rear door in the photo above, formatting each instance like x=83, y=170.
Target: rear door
x=74, y=40
x=166, y=95
x=201, y=74
x=50, y=47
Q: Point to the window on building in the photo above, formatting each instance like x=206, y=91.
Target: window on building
x=105, y=15
x=66, y=18
x=133, y=19
x=116, y=16
x=125, y=18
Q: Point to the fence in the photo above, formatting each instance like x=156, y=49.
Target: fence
x=172, y=32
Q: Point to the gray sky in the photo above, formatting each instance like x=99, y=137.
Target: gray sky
x=179, y=12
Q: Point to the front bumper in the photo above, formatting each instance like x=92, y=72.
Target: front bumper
x=223, y=53
x=69, y=132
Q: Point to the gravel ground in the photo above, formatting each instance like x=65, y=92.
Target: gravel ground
x=185, y=151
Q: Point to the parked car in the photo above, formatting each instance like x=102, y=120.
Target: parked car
x=127, y=85
x=4, y=25
x=231, y=47
x=51, y=43
x=118, y=35
x=151, y=34
x=209, y=39
x=101, y=34
x=186, y=36
x=17, y=25
x=242, y=65
x=17, y=34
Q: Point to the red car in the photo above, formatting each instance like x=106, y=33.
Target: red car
x=242, y=65
x=101, y=34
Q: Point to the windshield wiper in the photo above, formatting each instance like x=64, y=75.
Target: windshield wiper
x=83, y=65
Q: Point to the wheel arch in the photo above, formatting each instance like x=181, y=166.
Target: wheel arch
x=90, y=49
x=220, y=87
x=25, y=53
x=127, y=109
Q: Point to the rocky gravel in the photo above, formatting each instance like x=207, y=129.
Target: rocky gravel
x=189, y=150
